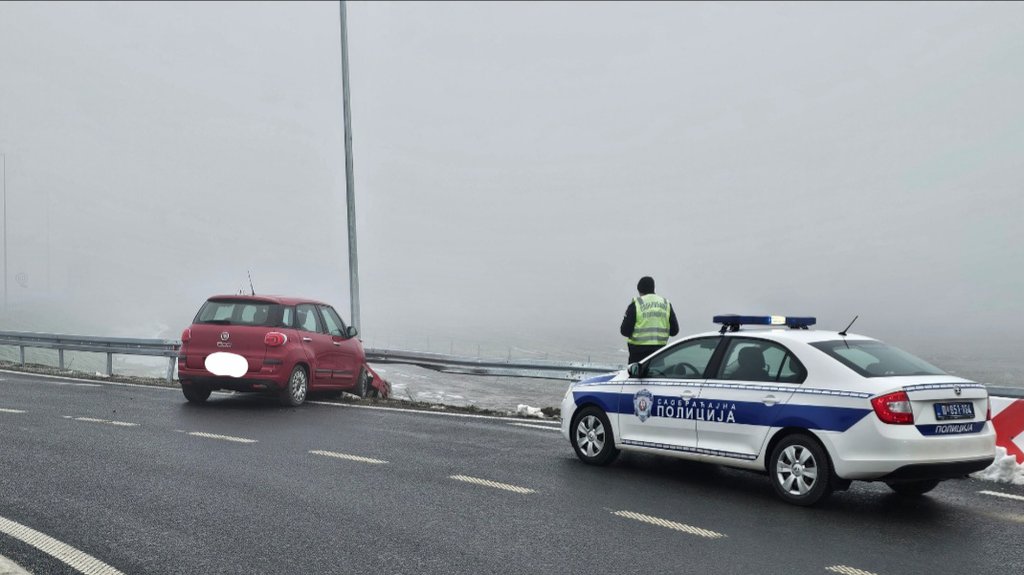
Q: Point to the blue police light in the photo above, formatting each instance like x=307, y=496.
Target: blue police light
x=731, y=322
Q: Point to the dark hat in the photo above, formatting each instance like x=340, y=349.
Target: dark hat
x=645, y=285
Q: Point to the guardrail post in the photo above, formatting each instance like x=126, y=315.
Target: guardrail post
x=60, y=355
x=21, y=354
x=110, y=364
x=170, y=369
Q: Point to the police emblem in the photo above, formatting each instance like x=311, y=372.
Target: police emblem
x=642, y=403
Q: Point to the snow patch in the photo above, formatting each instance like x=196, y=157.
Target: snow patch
x=1004, y=469
x=527, y=411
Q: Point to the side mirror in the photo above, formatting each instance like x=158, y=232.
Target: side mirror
x=351, y=331
x=634, y=370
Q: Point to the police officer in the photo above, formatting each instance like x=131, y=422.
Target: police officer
x=649, y=321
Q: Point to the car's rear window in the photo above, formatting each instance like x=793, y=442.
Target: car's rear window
x=872, y=358
x=244, y=312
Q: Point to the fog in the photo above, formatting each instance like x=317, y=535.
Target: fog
x=519, y=166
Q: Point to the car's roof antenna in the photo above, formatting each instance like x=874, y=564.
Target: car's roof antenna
x=843, y=333
x=253, y=290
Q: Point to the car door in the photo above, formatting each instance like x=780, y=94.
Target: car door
x=656, y=409
x=345, y=354
x=739, y=404
x=318, y=344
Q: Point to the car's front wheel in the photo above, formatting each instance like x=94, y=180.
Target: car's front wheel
x=363, y=388
x=298, y=386
x=195, y=393
x=800, y=470
x=914, y=488
x=591, y=437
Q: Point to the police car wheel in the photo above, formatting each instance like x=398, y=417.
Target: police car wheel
x=800, y=470
x=914, y=488
x=592, y=437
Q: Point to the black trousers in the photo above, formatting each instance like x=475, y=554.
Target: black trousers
x=638, y=352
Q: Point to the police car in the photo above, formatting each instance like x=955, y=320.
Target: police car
x=813, y=409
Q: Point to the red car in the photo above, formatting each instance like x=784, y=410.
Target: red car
x=288, y=346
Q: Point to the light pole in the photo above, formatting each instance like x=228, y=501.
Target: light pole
x=350, y=190
x=4, y=156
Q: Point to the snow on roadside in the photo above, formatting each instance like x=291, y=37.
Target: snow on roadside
x=1004, y=469
x=527, y=411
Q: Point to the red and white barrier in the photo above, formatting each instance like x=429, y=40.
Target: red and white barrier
x=1008, y=419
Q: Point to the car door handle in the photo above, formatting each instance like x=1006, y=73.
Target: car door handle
x=769, y=400
x=307, y=339
x=337, y=343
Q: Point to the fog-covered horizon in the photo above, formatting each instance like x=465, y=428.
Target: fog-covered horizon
x=519, y=166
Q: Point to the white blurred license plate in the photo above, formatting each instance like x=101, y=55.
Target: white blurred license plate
x=954, y=410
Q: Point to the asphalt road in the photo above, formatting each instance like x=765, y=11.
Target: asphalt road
x=147, y=484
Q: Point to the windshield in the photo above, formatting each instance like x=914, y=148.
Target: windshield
x=242, y=312
x=872, y=358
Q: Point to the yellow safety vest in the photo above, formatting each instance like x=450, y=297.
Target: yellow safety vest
x=652, y=323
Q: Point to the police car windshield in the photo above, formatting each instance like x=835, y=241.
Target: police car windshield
x=876, y=359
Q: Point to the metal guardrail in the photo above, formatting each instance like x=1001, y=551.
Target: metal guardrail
x=476, y=366
x=107, y=345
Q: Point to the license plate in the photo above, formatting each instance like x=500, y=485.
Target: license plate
x=955, y=410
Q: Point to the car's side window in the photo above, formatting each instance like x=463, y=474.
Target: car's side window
x=759, y=360
x=306, y=318
x=287, y=316
x=334, y=324
x=686, y=360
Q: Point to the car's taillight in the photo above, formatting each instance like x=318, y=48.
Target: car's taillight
x=186, y=335
x=275, y=339
x=894, y=408
x=988, y=409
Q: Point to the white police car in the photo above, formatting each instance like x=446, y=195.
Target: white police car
x=814, y=409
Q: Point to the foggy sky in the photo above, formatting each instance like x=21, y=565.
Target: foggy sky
x=519, y=166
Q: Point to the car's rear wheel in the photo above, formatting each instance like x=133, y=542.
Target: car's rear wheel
x=298, y=386
x=195, y=393
x=914, y=488
x=800, y=470
x=591, y=437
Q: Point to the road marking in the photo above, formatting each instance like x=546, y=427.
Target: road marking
x=79, y=379
x=420, y=411
x=223, y=437
x=847, y=570
x=347, y=456
x=1006, y=495
x=83, y=562
x=3, y=410
x=8, y=567
x=494, y=484
x=104, y=421
x=545, y=427
x=669, y=524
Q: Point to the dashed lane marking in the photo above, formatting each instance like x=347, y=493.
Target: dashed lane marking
x=1004, y=495
x=221, y=437
x=8, y=567
x=416, y=411
x=347, y=456
x=4, y=410
x=78, y=560
x=532, y=426
x=847, y=570
x=103, y=421
x=669, y=524
x=494, y=484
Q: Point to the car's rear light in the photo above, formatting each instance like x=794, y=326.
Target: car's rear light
x=988, y=409
x=894, y=408
x=275, y=339
x=186, y=335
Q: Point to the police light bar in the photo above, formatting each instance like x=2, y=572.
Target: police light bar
x=733, y=322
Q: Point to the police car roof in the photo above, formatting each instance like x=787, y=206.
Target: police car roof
x=787, y=334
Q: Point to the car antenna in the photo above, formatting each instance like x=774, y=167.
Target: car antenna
x=252, y=289
x=843, y=333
